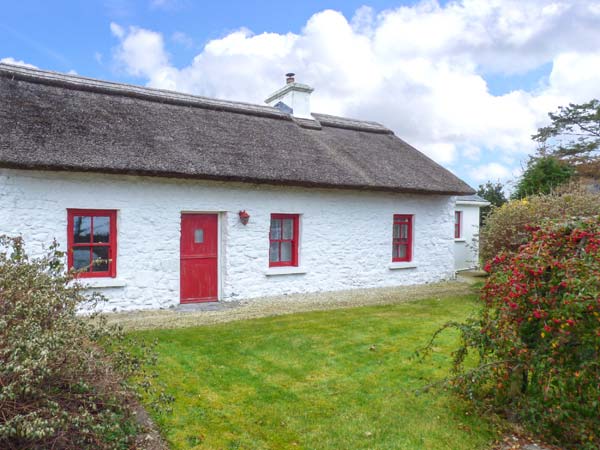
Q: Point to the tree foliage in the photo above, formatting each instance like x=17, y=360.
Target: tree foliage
x=493, y=193
x=542, y=176
x=574, y=137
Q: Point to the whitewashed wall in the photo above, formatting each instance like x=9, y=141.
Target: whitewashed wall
x=345, y=235
x=466, y=251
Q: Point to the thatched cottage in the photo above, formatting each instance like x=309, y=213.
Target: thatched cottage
x=163, y=198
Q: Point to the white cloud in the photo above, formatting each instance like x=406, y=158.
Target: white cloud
x=141, y=52
x=182, y=38
x=418, y=69
x=16, y=62
x=117, y=30
x=490, y=171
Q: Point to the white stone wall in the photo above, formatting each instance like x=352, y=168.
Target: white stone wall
x=466, y=252
x=345, y=237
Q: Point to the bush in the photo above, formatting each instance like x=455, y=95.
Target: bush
x=60, y=387
x=538, y=336
x=505, y=227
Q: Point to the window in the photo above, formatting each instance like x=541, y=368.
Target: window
x=457, y=224
x=283, y=240
x=402, y=238
x=92, y=242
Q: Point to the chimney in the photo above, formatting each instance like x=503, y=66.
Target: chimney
x=293, y=98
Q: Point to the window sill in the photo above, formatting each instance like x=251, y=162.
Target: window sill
x=402, y=265
x=90, y=283
x=460, y=240
x=290, y=270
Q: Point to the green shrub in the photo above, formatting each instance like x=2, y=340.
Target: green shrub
x=542, y=175
x=63, y=377
x=538, y=337
x=505, y=227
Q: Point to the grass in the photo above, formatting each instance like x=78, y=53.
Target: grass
x=342, y=379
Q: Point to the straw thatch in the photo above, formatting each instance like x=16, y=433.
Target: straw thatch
x=51, y=121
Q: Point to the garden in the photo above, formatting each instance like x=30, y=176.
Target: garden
x=442, y=372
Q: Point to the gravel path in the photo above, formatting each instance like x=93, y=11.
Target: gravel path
x=211, y=313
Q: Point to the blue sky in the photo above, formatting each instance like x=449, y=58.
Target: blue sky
x=66, y=35
x=467, y=82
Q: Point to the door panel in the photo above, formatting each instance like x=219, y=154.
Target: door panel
x=199, y=258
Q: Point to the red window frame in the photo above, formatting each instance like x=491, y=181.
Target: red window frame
x=457, y=224
x=294, y=240
x=398, y=241
x=111, y=244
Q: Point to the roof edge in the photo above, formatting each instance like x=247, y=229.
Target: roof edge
x=200, y=177
x=472, y=203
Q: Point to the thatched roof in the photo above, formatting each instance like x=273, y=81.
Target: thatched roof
x=51, y=121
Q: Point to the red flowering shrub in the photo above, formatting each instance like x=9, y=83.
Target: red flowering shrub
x=538, y=336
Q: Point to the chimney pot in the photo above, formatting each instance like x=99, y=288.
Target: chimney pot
x=289, y=77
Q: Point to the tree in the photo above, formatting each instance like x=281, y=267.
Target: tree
x=493, y=193
x=541, y=176
x=574, y=137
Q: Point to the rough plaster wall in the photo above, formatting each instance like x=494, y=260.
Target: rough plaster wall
x=345, y=237
x=466, y=252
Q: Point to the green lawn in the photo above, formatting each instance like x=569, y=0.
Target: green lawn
x=342, y=379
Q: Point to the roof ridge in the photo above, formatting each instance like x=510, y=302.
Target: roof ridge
x=351, y=124
x=80, y=82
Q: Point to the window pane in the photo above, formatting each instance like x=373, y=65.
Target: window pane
x=288, y=228
x=199, y=236
x=396, y=231
x=82, y=229
x=101, y=229
x=286, y=251
x=274, y=252
x=81, y=258
x=100, y=257
x=401, y=251
x=404, y=231
x=394, y=251
x=275, y=228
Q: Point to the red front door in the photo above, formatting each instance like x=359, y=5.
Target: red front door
x=199, y=258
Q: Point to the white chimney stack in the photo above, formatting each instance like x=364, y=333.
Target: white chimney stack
x=293, y=98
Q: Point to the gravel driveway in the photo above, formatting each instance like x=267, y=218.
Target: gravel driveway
x=225, y=311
